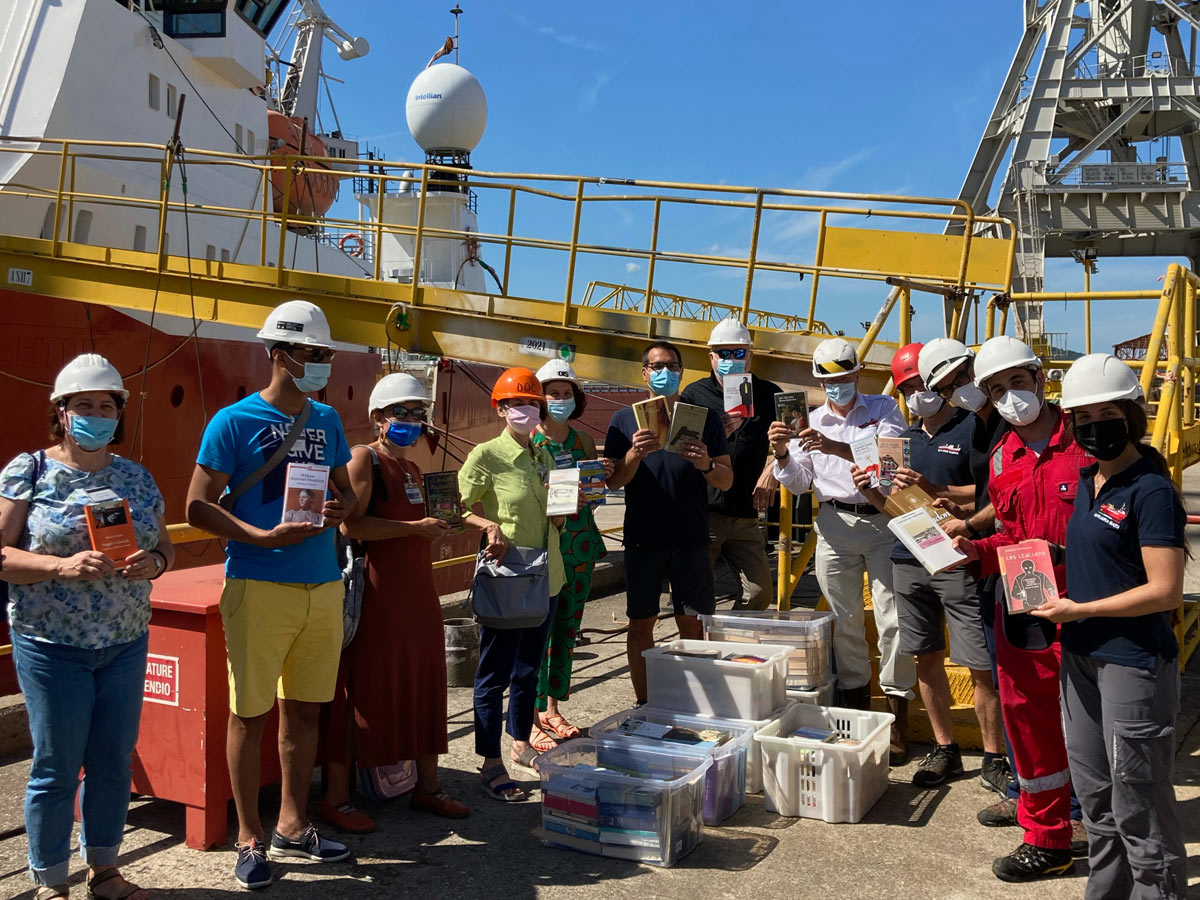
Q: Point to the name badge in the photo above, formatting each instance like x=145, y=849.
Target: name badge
x=412, y=490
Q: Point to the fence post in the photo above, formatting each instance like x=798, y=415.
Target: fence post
x=566, y=313
x=758, y=205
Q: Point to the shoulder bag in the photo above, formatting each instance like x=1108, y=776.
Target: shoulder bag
x=353, y=555
x=513, y=592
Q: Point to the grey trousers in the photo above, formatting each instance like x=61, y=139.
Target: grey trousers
x=1120, y=728
x=742, y=544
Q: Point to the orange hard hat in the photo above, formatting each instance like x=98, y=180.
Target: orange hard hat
x=517, y=383
x=904, y=364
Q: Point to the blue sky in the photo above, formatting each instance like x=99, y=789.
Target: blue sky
x=887, y=99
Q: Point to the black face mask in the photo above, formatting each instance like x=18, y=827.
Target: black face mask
x=1105, y=439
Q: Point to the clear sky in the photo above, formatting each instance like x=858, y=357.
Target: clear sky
x=887, y=98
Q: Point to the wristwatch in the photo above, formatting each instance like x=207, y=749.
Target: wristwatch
x=781, y=457
x=972, y=530
x=712, y=464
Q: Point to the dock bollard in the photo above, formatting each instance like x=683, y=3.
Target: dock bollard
x=462, y=651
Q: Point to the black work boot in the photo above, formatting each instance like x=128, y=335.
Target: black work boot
x=944, y=761
x=857, y=698
x=995, y=775
x=1029, y=863
x=898, y=707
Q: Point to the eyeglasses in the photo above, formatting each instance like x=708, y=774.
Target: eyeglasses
x=314, y=354
x=726, y=353
x=659, y=366
x=959, y=380
x=420, y=413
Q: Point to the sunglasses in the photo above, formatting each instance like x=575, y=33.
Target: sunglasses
x=311, y=354
x=726, y=353
x=419, y=414
x=659, y=366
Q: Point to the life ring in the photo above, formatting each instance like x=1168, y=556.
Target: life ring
x=356, y=249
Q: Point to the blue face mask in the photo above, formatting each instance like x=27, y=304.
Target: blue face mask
x=403, y=434
x=840, y=394
x=560, y=410
x=664, y=382
x=315, y=377
x=91, y=432
x=731, y=367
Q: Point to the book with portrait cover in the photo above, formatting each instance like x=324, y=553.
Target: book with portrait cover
x=739, y=395
x=687, y=423
x=791, y=408
x=1027, y=574
x=651, y=415
x=110, y=525
x=894, y=453
x=304, y=493
x=442, y=499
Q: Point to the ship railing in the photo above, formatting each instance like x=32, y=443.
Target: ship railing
x=606, y=295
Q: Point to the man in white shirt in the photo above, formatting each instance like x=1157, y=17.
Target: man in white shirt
x=852, y=535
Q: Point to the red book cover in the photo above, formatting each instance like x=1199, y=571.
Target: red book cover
x=1027, y=575
x=110, y=528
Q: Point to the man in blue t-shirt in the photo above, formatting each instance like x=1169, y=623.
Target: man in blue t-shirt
x=666, y=511
x=282, y=601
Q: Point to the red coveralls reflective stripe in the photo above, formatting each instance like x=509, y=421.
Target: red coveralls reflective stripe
x=1034, y=497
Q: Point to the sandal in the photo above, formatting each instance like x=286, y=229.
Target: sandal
x=541, y=741
x=439, y=803
x=528, y=759
x=559, y=726
x=108, y=875
x=504, y=791
x=51, y=892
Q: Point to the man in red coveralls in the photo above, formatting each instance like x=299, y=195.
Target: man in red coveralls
x=1034, y=475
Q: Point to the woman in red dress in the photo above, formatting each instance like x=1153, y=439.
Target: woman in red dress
x=390, y=703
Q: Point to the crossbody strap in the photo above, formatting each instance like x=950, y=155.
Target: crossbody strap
x=228, y=500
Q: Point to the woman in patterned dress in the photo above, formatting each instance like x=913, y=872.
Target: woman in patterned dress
x=80, y=626
x=581, y=545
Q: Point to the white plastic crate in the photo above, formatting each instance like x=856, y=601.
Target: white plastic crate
x=623, y=799
x=819, y=696
x=815, y=780
x=754, y=777
x=725, y=784
x=715, y=686
x=809, y=632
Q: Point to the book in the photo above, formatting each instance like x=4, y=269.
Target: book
x=894, y=453
x=304, y=493
x=442, y=500
x=651, y=415
x=591, y=479
x=925, y=540
x=913, y=497
x=687, y=423
x=562, y=497
x=110, y=525
x=865, y=451
x=791, y=408
x=812, y=733
x=739, y=395
x=1027, y=574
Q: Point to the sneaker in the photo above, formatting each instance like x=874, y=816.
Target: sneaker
x=1028, y=863
x=1001, y=813
x=1079, y=840
x=638, y=704
x=252, y=870
x=942, y=762
x=995, y=775
x=309, y=845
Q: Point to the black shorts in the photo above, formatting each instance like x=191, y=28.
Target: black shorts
x=689, y=571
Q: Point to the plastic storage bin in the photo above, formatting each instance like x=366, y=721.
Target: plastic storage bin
x=819, y=696
x=754, y=779
x=714, y=685
x=808, y=632
x=725, y=784
x=623, y=799
x=836, y=782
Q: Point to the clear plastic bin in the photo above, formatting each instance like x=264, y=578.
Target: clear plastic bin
x=754, y=778
x=808, y=632
x=819, y=696
x=725, y=785
x=835, y=782
x=623, y=799
x=716, y=686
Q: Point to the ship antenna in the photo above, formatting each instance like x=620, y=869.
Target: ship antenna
x=456, y=12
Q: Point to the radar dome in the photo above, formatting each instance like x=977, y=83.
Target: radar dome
x=446, y=109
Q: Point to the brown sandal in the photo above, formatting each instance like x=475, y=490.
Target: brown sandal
x=541, y=741
x=107, y=875
x=560, y=727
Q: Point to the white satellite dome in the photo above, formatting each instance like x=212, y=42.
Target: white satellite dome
x=446, y=109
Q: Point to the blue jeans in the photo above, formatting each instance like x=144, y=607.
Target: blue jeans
x=84, y=708
x=508, y=658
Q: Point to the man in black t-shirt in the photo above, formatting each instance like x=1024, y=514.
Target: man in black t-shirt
x=733, y=526
x=666, y=502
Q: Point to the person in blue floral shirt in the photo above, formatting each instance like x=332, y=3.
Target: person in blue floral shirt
x=80, y=625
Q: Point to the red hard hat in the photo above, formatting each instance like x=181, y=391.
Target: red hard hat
x=904, y=364
x=517, y=383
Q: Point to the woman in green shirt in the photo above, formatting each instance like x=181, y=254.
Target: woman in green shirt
x=507, y=476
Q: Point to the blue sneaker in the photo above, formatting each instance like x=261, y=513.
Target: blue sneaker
x=309, y=845
x=252, y=870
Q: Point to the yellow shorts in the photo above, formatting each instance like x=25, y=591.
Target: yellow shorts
x=282, y=640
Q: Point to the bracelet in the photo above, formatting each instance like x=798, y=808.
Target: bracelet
x=162, y=557
x=972, y=530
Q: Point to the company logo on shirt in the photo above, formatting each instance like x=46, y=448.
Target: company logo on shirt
x=309, y=447
x=953, y=449
x=1110, y=515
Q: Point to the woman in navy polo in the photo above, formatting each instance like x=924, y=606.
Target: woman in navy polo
x=1120, y=679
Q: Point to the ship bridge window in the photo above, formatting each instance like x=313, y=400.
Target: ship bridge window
x=193, y=18
x=261, y=14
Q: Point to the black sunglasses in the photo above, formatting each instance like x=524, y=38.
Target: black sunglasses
x=726, y=353
x=403, y=412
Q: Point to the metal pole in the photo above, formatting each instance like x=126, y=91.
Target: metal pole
x=1189, y=346
x=62, y=178
x=283, y=220
x=885, y=310
x=266, y=173
x=512, y=212
x=71, y=196
x=1154, y=346
x=784, y=593
x=417, y=246
x=1087, y=307
x=566, y=313
x=650, y=264
x=758, y=204
x=378, y=267
x=819, y=259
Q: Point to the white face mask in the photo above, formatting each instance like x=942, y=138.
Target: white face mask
x=1019, y=407
x=924, y=403
x=968, y=397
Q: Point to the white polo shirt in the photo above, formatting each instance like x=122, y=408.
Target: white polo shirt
x=829, y=476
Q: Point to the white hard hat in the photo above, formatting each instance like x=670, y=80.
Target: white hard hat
x=1099, y=378
x=834, y=357
x=558, y=370
x=1002, y=353
x=940, y=357
x=728, y=332
x=88, y=372
x=399, y=387
x=296, y=322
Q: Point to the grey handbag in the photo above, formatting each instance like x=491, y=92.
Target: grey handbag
x=513, y=592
